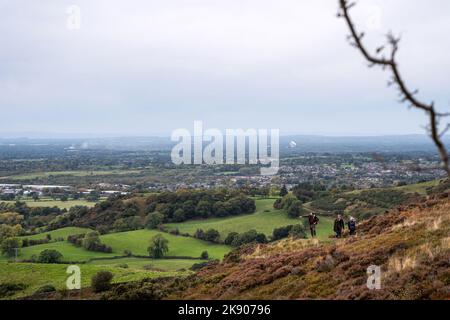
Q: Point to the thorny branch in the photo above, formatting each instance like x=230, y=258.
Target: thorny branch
x=406, y=94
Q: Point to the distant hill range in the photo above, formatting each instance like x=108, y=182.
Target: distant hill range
x=288, y=144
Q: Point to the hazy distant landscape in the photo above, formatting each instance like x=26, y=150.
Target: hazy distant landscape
x=224, y=150
x=304, y=143
x=53, y=192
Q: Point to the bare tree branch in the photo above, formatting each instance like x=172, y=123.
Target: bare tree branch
x=445, y=130
x=391, y=64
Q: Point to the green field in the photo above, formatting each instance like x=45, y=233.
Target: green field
x=63, y=232
x=140, y=263
x=135, y=241
x=54, y=203
x=138, y=241
x=264, y=220
x=70, y=252
x=37, y=275
x=79, y=173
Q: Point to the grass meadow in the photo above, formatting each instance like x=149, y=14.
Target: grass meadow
x=135, y=241
x=264, y=220
x=138, y=241
x=36, y=275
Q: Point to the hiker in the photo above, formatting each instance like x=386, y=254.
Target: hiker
x=313, y=221
x=352, y=226
x=339, y=226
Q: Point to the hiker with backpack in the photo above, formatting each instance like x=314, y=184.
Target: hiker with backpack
x=313, y=221
x=339, y=226
x=352, y=226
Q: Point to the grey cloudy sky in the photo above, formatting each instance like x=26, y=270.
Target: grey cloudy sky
x=143, y=67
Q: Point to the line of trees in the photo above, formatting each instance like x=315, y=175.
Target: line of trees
x=193, y=204
x=290, y=204
x=235, y=239
x=90, y=241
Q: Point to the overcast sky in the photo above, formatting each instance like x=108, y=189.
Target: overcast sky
x=145, y=67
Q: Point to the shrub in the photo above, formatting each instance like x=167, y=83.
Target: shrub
x=212, y=235
x=101, y=248
x=91, y=239
x=101, y=281
x=76, y=239
x=46, y=288
x=230, y=238
x=102, y=229
x=33, y=242
x=281, y=232
x=179, y=216
x=127, y=253
x=261, y=238
x=8, y=289
x=7, y=231
x=158, y=247
x=120, y=225
x=248, y=237
x=294, y=209
x=153, y=220
x=203, y=208
x=9, y=246
x=133, y=223
x=277, y=204
x=49, y=256
x=204, y=255
x=287, y=200
x=306, y=192
x=298, y=231
x=92, y=242
x=199, y=234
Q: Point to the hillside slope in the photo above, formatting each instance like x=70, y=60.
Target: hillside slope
x=410, y=244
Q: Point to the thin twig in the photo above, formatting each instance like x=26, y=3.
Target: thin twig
x=406, y=94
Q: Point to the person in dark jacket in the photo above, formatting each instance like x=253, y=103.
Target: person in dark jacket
x=339, y=226
x=352, y=226
x=313, y=221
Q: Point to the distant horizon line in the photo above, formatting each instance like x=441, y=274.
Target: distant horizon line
x=61, y=136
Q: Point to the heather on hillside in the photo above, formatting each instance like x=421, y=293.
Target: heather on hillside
x=411, y=249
